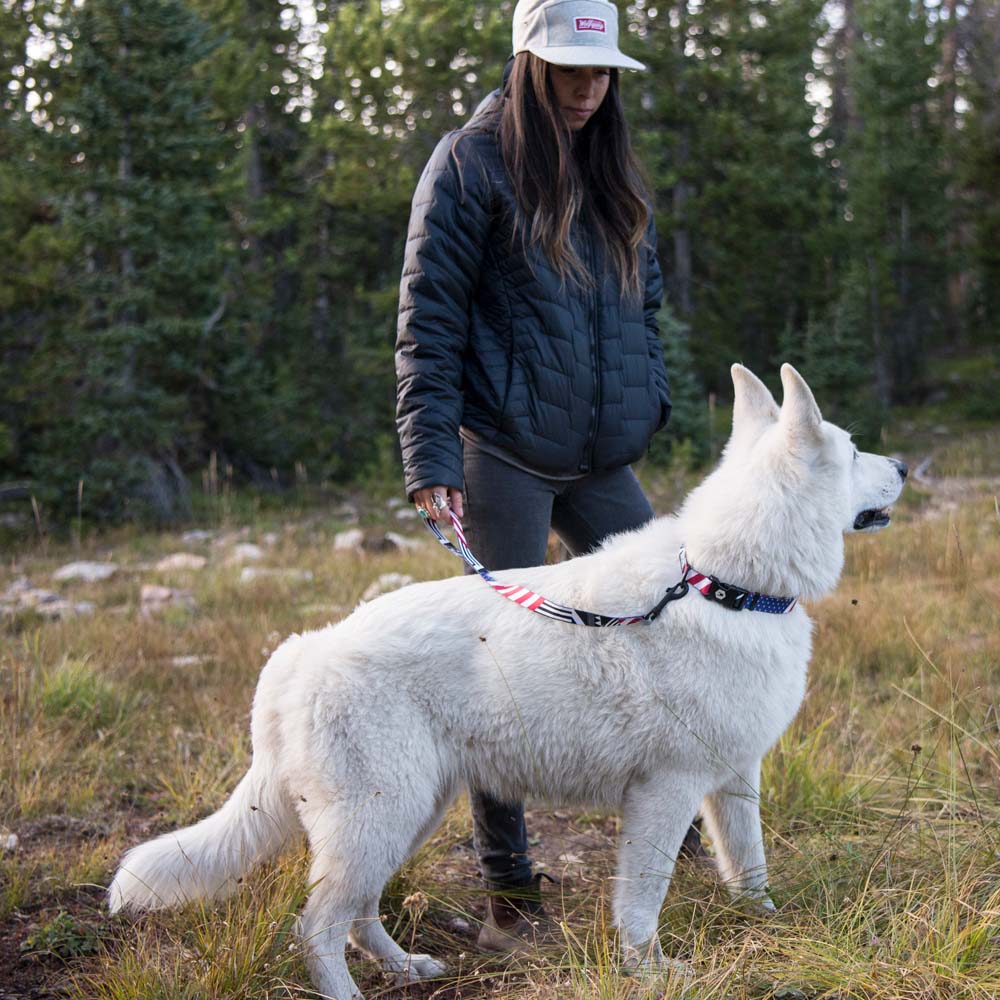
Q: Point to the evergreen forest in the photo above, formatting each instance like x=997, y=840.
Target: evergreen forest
x=203, y=206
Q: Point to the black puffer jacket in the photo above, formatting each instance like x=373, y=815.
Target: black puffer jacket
x=566, y=381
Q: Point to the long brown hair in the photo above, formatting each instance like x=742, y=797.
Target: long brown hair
x=559, y=178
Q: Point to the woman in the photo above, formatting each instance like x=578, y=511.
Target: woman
x=529, y=366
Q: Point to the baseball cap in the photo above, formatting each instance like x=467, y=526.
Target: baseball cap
x=570, y=33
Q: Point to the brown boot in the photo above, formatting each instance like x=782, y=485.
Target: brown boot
x=516, y=921
x=693, y=850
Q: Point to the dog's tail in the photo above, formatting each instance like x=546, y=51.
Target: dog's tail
x=208, y=859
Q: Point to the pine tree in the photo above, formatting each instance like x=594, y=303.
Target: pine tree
x=688, y=431
x=979, y=169
x=256, y=418
x=723, y=120
x=394, y=81
x=32, y=245
x=834, y=356
x=886, y=160
x=118, y=376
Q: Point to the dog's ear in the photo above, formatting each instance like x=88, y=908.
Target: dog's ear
x=754, y=408
x=800, y=415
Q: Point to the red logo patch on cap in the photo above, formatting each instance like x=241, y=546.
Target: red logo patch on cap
x=591, y=24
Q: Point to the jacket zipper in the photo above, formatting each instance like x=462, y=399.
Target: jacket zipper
x=595, y=405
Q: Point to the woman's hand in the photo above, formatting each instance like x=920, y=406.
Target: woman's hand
x=448, y=497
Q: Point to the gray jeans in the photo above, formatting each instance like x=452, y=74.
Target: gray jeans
x=508, y=513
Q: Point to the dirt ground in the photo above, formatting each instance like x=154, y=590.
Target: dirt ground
x=575, y=849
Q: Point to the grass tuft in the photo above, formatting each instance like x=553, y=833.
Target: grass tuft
x=76, y=690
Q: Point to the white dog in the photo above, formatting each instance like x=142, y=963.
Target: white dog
x=364, y=731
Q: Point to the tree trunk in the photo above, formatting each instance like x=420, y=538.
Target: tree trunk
x=883, y=378
x=126, y=254
x=681, y=235
x=956, y=278
x=844, y=110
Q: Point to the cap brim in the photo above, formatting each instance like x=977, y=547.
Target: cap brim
x=585, y=55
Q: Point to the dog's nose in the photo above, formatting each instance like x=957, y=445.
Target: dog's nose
x=901, y=468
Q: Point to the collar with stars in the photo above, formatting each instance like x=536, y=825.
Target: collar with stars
x=730, y=596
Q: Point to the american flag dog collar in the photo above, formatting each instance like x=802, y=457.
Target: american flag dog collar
x=732, y=597
x=713, y=590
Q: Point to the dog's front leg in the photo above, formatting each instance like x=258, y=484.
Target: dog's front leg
x=732, y=815
x=657, y=812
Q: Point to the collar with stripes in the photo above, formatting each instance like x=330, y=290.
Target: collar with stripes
x=724, y=594
x=730, y=596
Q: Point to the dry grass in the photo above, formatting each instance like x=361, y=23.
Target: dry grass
x=880, y=803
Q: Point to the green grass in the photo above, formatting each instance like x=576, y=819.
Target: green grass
x=880, y=803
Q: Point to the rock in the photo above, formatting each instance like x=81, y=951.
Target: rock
x=459, y=925
x=17, y=586
x=35, y=596
x=332, y=610
x=406, y=514
x=91, y=572
x=230, y=538
x=375, y=542
x=359, y=541
x=245, y=552
x=402, y=542
x=60, y=608
x=10, y=842
x=345, y=512
x=21, y=596
x=154, y=599
x=197, y=535
x=393, y=502
x=270, y=538
x=181, y=561
x=250, y=574
x=191, y=660
x=344, y=541
x=385, y=584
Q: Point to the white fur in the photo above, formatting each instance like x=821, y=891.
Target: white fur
x=363, y=732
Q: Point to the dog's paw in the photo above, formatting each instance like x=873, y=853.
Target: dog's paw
x=761, y=906
x=670, y=974
x=414, y=968
x=651, y=965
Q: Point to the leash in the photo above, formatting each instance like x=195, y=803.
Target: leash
x=708, y=586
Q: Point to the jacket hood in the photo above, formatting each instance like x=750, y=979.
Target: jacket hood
x=488, y=103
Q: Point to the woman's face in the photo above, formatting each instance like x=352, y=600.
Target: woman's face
x=579, y=91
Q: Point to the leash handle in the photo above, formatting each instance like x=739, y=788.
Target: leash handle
x=462, y=551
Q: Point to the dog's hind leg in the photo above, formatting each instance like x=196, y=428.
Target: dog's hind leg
x=371, y=937
x=324, y=927
x=732, y=815
x=656, y=815
x=340, y=876
x=356, y=845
